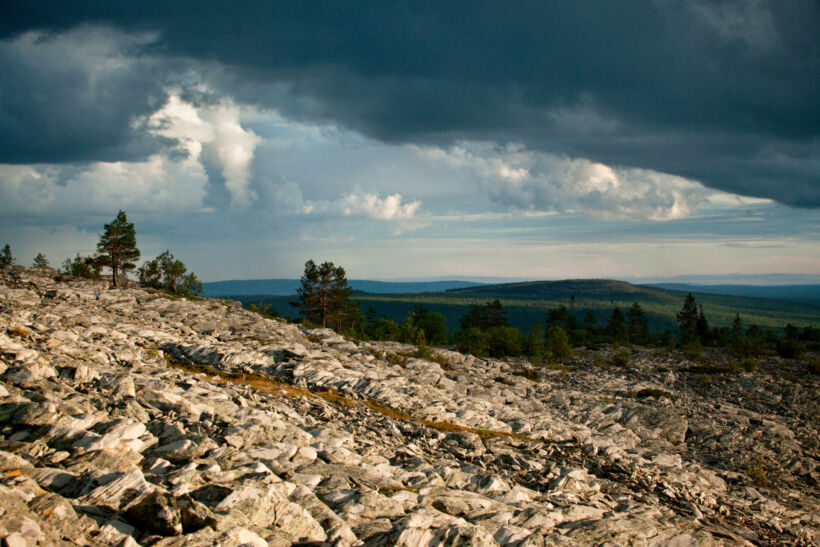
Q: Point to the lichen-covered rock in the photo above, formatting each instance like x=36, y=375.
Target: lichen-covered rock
x=130, y=418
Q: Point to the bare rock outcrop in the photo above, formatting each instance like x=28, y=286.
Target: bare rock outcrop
x=131, y=418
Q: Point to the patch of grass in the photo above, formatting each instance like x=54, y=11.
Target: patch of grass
x=758, y=474
x=528, y=373
x=703, y=380
x=336, y=398
x=693, y=350
x=749, y=364
x=813, y=366
x=265, y=384
x=17, y=330
x=662, y=368
x=621, y=358
x=502, y=380
x=152, y=351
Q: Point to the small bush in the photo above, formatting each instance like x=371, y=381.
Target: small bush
x=703, y=380
x=528, y=373
x=621, y=358
x=788, y=349
x=600, y=361
x=395, y=359
x=749, y=364
x=693, y=350
x=813, y=365
x=758, y=474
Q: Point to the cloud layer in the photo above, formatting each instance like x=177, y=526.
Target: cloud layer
x=528, y=181
x=719, y=92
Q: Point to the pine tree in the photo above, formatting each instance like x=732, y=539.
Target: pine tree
x=535, y=343
x=617, y=329
x=688, y=319
x=557, y=343
x=737, y=328
x=702, y=326
x=324, y=295
x=6, y=259
x=638, y=324
x=117, y=248
x=40, y=261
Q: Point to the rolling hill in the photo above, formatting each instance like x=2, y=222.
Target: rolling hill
x=529, y=302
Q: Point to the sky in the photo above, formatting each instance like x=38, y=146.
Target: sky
x=405, y=140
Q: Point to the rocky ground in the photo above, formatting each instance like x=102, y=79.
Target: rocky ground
x=131, y=418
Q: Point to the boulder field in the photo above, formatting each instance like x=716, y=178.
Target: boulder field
x=128, y=417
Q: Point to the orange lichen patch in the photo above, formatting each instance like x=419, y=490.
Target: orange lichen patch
x=265, y=384
x=258, y=382
x=13, y=473
x=336, y=398
x=444, y=427
x=17, y=330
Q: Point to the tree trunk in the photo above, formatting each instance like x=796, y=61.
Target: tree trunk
x=114, y=280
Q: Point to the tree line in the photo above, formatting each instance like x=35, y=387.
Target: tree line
x=325, y=299
x=117, y=251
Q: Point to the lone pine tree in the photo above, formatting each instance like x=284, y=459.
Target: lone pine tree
x=324, y=295
x=117, y=248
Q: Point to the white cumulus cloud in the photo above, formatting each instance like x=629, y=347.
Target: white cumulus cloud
x=213, y=130
x=530, y=181
x=373, y=206
x=157, y=185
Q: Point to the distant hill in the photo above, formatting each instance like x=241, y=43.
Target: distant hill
x=529, y=302
x=798, y=293
x=284, y=287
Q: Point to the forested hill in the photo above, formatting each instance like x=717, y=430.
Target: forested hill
x=596, y=290
x=529, y=302
x=284, y=287
x=799, y=293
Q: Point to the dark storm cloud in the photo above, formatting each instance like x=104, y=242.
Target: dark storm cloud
x=725, y=93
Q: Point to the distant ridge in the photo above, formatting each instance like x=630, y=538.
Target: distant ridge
x=799, y=293
x=285, y=287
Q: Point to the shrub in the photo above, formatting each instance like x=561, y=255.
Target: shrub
x=473, y=341
x=813, y=365
x=703, y=380
x=758, y=474
x=621, y=358
x=693, y=350
x=749, y=364
x=788, y=349
x=505, y=341
x=82, y=266
x=528, y=373
x=557, y=343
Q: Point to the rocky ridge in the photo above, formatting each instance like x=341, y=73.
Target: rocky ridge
x=131, y=418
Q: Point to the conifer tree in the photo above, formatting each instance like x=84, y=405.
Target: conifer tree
x=638, y=324
x=702, y=326
x=324, y=295
x=117, y=248
x=688, y=319
x=40, y=261
x=617, y=329
x=6, y=259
